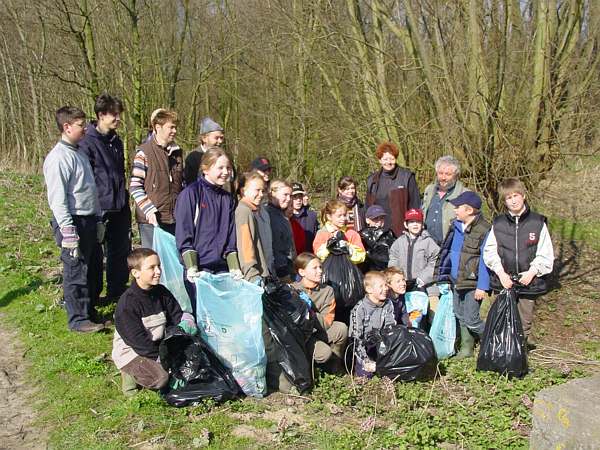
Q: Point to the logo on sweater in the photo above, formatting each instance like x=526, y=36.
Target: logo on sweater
x=532, y=237
x=203, y=205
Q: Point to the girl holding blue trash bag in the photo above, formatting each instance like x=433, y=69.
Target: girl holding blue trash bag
x=205, y=230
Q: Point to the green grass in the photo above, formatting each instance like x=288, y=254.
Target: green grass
x=80, y=403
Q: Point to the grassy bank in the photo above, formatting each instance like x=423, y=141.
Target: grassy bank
x=80, y=403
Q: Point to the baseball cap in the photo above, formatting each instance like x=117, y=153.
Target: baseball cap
x=297, y=188
x=261, y=163
x=413, y=214
x=375, y=211
x=467, y=198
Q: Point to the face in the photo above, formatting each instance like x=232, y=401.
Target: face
x=398, y=284
x=348, y=192
x=74, y=131
x=213, y=139
x=254, y=191
x=220, y=172
x=149, y=273
x=388, y=161
x=282, y=197
x=266, y=174
x=305, y=200
x=446, y=176
x=338, y=217
x=463, y=212
x=165, y=134
x=109, y=120
x=515, y=202
x=414, y=226
x=312, y=272
x=377, y=290
x=376, y=222
x=297, y=201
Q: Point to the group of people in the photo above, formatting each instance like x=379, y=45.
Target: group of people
x=258, y=228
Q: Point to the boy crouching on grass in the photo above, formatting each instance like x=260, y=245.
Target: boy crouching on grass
x=373, y=312
x=143, y=313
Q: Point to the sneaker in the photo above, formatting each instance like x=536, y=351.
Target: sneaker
x=89, y=327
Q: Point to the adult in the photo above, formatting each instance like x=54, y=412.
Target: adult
x=104, y=149
x=210, y=134
x=438, y=210
x=157, y=178
x=392, y=187
x=305, y=217
x=282, y=241
x=263, y=166
x=346, y=193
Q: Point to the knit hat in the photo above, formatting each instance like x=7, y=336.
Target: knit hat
x=414, y=215
x=261, y=163
x=297, y=188
x=375, y=211
x=208, y=125
x=467, y=198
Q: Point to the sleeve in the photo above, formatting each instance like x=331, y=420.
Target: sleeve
x=128, y=323
x=355, y=331
x=326, y=314
x=543, y=262
x=491, y=258
x=358, y=249
x=245, y=245
x=388, y=314
x=414, y=200
x=185, y=228
x=320, y=244
x=432, y=252
x=136, y=185
x=483, y=275
x=172, y=309
x=231, y=244
x=57, y=174
x=395, y=254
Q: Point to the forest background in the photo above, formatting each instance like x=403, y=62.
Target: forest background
x=508, y=86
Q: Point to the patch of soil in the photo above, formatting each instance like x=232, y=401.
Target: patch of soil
x=16, y=395
x=247, y=431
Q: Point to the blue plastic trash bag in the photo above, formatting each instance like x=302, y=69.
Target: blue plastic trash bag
x=171, y=276
x=416, y=300
x=443, y=328
x=229, y=315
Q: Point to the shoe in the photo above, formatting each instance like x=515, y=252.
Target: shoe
x=89, y=327
x=128, y=385
x=530, y=343
x=467, y=343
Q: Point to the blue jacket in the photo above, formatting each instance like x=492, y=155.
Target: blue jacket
x=205, y=223
x=310, y=224
x=107, y=159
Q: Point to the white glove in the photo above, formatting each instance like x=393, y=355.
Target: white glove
x=236, y=274
x=194, y=274
x=420, y=283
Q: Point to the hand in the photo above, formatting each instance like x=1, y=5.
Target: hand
x=152, y=220
x=369, y=366
x=70, y=240
x=100, y=232
x=505, y=280
x=343, y=244
x=479, y=294
x=194, y=274
x=236, y=274
x=74, y=253
x=527, y=277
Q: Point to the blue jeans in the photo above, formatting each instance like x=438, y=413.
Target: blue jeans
x=466, y=310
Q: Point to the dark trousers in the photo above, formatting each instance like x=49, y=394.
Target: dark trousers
x=147, y=232
x=117, y=246
x=82, y=276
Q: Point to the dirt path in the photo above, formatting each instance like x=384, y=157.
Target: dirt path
x=16, y=412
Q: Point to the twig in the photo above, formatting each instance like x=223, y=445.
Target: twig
x=572, y=361
x=155, y=438
x=296, y=395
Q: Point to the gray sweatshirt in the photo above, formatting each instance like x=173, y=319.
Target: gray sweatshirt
x=365, y=317
x=70, y=184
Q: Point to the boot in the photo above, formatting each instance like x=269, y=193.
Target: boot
x=128, y=385
x=467, y=342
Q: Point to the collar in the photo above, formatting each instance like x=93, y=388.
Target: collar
x=512, y=217
x=207, y=184
x=69, y=145
x=373, y=304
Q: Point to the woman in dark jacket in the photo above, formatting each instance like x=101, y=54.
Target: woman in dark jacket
x=392, y=187
x=356, y=209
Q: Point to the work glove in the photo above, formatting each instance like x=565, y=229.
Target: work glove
x=176, y=383
x=236, y=274
x=194, y=274
x=304, y=296
x=100, y=232
x=420, y=283
x=234, y=266
x=70, y=240
x=187, y=324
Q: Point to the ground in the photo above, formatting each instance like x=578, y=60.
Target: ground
x=61, y=389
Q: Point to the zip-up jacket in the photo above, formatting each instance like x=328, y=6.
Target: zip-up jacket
x=323, y=299
x=249, y=247
x=365, y=317
x=310, y=224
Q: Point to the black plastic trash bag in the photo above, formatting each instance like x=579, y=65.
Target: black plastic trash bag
x=190, y=360
x=503, y=347
x=377, y=242
x=403, y=353
x=344, y=277
x=291, y=323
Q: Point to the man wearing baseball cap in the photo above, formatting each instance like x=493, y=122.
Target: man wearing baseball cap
x=263, y=166
x=461, y=261
x=306, y=217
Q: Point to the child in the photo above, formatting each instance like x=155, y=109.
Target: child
x=333, y=216
x=253, y=263
x=373, y=312
x=333, y=335
x=415, y=252
x=143, y=313
x=461, y=260
x=76, y=220
x=376, y=239
x=346, y=189
x=396, y=282
x=282, y=240
x=519, y=246
x=304, y=216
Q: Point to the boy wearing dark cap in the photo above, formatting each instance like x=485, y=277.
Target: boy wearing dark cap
x=461, y=261
x=304, y=216
x=263, y=166
x=376, y=239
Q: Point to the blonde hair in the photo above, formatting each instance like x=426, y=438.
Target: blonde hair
x=210, y=156
x=371, y=276
x=391, y=271
x=330, y=207
x=510, y=186
x=278, y=184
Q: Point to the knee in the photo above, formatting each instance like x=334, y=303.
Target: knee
x=322, y=352
x=161, y=380
x=338, y=333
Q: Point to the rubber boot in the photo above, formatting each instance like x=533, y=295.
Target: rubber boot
x=467, y=342
x=128, y=385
